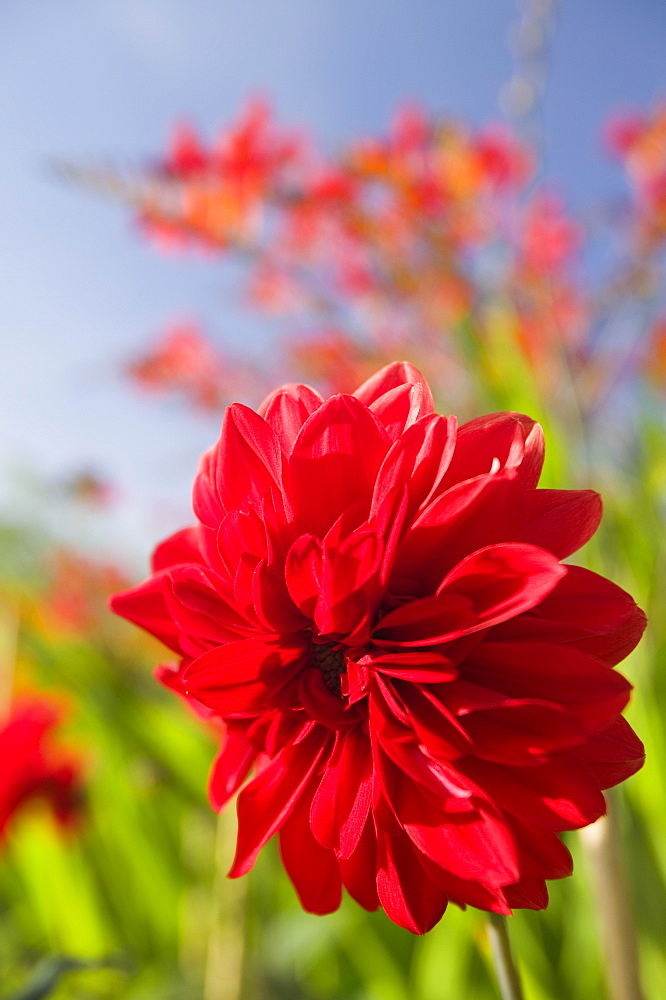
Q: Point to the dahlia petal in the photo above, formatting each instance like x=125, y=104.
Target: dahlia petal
x=350, y=578
x=464, y=696
x=404, y=757
x=313, y=870
x=386, y=710
x=265, y=804
x=426, y=622
x=351, y=519
x=321, y=704
x=241, y=678
x=304, y=573
x=512, y=439
x=287, y=409
x=424, y=666
x=146, y=606
x=171, y=677
x=243, y=589
x=613, y=755
x=211, y=553
x=562, y=521
x=340, y=576
x=358, y=871
x=241, y=532
x=341, y=804
x=205, y=500
x=388, y=521
x=558, y=794
x=231, y=766
x=181, y=547
x=274, y=514
x=586, y=611
x=322, y=807
x=198, y=608
x=352, y=809
x=354, y=684
x=504, y=580
x=464, y=892
x=398, y=408
x=408, y=896
x=418, y=459
x=350, y=617
x=354, y=563
x=334, y=462
x=391, y=377
x=324, y=584
x=468, y=516
x=488, y=587
x=521, y=730
x=472, y=846
x=272, y=604
x=529, y=894
x=531, y=465
x=541, y=852
x=588, y=689
x=463, y=499
x=247, y=458
x=433, y=724
x=273, y=730
x=297, y=395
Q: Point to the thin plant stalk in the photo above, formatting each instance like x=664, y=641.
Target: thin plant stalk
x=226, y=945
x=505, y=968
x=602, y=844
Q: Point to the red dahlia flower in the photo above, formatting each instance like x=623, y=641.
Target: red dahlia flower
x=32, y=767
x=374, y=604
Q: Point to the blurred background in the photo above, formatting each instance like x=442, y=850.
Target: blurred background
x=101, y=83
x=545, y=239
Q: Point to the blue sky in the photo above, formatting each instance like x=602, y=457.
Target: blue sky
x=102, y=80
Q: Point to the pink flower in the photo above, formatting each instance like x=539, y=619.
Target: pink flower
x=374, y=603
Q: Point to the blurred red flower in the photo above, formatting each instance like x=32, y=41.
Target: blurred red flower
x=549, y=237
x=33, y=766
x=183, y=361
x=640, y=142
x=373, y=601
x=78, y=591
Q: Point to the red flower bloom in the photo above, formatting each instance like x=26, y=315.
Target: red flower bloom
x=32, y=767
x=373, y=602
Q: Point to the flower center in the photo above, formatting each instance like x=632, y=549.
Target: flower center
x=330, y=659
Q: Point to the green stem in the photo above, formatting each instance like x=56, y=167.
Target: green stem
x=226, y=943
x=602, y=843
x=507, y=973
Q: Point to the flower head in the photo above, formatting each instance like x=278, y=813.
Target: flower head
x=33, y=767
x=373, y=601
